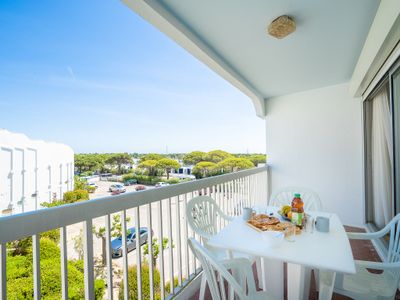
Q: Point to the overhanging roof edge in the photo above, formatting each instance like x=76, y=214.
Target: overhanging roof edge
x=166, y=22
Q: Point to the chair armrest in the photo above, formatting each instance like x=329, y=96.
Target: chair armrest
x=367, y=235
x=378, y=265
x=225, y=217
x=242, y=265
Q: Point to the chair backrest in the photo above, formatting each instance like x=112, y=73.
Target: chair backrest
x=393, y=251
x=285, y=195
x=216, y=273
x=202, y=214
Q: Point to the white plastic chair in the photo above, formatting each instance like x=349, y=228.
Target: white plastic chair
x=217, y=274
x=203, y=215
x=284, y=196
x=366, y=285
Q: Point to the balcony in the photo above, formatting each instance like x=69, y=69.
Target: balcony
x=161, y=210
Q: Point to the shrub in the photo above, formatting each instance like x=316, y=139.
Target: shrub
x=91, y=189
x=53, y=203
x=77, y=195
x=132, y=278
x=173, y=180
x=20, y=276
x=81, y=195
x=69, y=197
x=142, y=179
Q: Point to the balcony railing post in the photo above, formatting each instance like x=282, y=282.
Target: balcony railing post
x=88, y=259
x=109, y=257
x=138, y=254
x=3, y=271
x=64, y=263
x=36, y=266
x=150, y=251
x=125, y=255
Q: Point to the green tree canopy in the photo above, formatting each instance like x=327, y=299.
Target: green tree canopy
x=88, y=163
x=151, y=156
x=167, y=164
x=235, y=164
x=119, y=159
x=216, y=156
x=204, y=168
x=150, y=165
x=257, y=158
x=194, y=157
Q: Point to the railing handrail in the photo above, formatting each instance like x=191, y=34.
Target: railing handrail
x=27, y=224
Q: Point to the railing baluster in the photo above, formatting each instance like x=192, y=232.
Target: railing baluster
x=64, y=263
x=109, y=258
x=178, y=239
x=150, y=251
x=170, y=243
x=36, y=266
x=125, y=255
x=161, y=254
x=3, y=271
x=88, y=259
x=186, y=236
x=194, y=262
x=138, y=253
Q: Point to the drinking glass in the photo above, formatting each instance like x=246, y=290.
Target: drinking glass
x=290, y=233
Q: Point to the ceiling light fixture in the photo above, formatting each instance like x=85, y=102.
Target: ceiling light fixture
x=281, y=27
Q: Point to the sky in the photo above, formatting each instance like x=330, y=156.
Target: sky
x=95, y=76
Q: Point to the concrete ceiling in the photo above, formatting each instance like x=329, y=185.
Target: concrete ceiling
x=230, y=36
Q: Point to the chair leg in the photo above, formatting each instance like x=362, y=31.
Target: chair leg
x=259, y=272
x=326, y=283
x=316, y=278
x=203, y=286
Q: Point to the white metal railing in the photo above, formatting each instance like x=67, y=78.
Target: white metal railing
x=162, y=210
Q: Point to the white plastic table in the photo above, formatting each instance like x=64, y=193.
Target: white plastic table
x=328, y=252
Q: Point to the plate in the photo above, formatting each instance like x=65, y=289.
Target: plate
x=283, y=216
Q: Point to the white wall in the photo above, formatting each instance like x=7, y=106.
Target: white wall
x=382, y=38
x=314, y=139
x=31, y=171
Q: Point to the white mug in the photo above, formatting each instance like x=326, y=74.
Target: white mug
x=322, y=224
x=247, y=213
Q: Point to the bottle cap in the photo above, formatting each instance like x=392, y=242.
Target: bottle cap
x=297, y=195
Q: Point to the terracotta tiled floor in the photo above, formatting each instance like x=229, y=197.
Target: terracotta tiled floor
x=362, y=250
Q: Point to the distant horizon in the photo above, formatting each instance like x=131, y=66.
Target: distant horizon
x=113, y=84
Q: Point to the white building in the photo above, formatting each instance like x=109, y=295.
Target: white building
x=32, y=172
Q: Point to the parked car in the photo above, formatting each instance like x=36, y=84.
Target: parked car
x=116, y=244
x=130, y=182
x=140, y=188
x=93, y=184
x=161, y=184
x=118, y=187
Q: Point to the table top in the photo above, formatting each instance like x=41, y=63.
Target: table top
x=326, y=251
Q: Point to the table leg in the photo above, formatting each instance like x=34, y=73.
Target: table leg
x=298, y=282
x=272, y=279
x=326, y=283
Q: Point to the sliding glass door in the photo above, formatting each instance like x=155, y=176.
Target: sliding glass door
x=395, y=84
x=382, y=150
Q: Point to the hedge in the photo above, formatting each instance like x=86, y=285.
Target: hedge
x=132, y=279
x=20, y=275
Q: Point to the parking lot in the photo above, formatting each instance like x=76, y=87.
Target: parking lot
x=102, y=191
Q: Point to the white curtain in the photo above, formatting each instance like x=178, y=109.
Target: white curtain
x=382, y=159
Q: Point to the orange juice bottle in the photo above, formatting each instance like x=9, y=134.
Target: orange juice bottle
x=297, y=211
